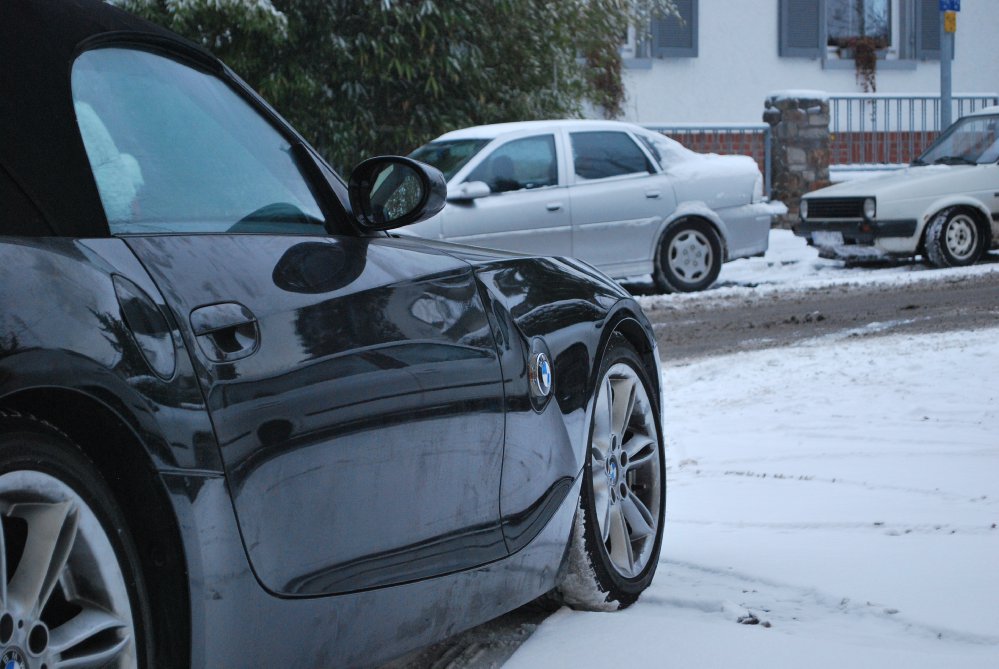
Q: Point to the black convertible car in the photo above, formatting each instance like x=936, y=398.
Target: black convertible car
x=240, y=423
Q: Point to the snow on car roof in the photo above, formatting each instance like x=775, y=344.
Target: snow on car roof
x=494, y=130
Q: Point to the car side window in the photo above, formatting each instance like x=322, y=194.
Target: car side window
x=174, y=149
x=602, y=154
x=518, y=164
x=18, y=214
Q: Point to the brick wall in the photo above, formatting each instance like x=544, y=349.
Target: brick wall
x=847, y=148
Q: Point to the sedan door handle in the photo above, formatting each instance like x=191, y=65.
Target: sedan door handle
x=653, y=194
x=553, y=206
x=225, y=332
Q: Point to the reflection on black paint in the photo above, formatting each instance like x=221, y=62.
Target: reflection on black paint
x=420, y=312
x=317, y=267
x=573, y=365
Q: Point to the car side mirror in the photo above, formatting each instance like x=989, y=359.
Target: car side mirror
x=392, y=191
x=470, y=190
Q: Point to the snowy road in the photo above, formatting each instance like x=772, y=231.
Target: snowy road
x=840, y=491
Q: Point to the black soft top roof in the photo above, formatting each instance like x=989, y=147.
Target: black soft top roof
x=40, y=145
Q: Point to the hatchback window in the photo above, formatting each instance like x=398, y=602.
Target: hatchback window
x=174, y=149
x=518, y=164
x=597, y=155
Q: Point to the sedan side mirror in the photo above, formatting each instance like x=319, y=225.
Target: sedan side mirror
x=470, y=190
x=392, y=191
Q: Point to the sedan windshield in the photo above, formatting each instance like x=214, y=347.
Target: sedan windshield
x=973, y=140
x=449, y=156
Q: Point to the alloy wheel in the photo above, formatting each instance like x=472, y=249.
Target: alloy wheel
x=625, y=470
x=63, y=595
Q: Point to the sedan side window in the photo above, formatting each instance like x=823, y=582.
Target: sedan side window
x=521, y=163
x=602, y=154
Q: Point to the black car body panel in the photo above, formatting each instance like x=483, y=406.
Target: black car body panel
x=345, y=460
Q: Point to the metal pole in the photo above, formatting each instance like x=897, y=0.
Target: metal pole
x=946, y=55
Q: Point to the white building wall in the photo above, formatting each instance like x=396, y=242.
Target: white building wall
x=738, y=65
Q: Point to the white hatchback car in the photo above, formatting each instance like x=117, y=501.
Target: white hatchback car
x=945, y=206
x=627, y=200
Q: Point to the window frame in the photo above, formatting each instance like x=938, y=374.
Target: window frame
x=485, y=154
x=688, y=29
x=652, y=166
x=907, y=34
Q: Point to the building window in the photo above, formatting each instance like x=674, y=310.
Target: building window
x=818, y=28
x=850, y=20
x=674, y=37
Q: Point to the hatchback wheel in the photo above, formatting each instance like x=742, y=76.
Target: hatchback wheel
x=69, y=589
x=619, y=522
x=689, y=258
x=954, y=239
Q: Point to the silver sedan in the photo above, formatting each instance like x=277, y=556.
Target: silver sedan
x=627, y=200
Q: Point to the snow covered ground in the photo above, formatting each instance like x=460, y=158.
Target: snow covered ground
x=842, y=494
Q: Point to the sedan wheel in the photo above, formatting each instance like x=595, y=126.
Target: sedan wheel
x=619, y=522
x=954, y=239
x=689, y=258
x=65, y=593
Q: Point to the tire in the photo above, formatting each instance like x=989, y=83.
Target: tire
x=954, y=239
x=689, y=257
x=618, y=529
x=73, y=586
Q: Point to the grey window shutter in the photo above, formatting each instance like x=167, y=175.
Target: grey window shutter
x=928, y=29
x=672, y=38
x=801, y=28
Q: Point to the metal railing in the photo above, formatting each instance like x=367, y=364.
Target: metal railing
x=748, y=139
x=875, y=129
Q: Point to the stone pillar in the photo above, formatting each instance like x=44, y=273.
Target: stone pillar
x=799, y=144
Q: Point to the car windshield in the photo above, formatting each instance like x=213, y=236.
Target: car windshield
x=973, y=140
x=449, y=156
x=174, y=149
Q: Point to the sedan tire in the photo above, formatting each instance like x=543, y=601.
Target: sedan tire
x=954, y=239
x=619, y=521
x=689, y=258
x=70, y=587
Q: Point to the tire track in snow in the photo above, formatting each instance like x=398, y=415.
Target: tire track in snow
x=709, y=590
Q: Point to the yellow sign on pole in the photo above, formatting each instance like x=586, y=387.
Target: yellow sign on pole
x=950, y=22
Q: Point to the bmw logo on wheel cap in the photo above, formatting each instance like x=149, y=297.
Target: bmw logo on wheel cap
x=541, y=374
x=12, y=659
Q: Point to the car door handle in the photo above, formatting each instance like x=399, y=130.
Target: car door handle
x=225, y=332
x=653, y=194
x=553, y=206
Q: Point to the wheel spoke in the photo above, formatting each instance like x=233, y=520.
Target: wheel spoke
x=641, y=449
x=51, y=533
x=86, y=625
x=602, y=421
x=639, y=517
x=620, y=548
x=624, y=404
x=93, y=658
x=605, y=526
x=601, y=499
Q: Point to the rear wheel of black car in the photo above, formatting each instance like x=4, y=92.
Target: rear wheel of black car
x=954, y=239
x=689, y=257
x=618, y=529
x=71, y=591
